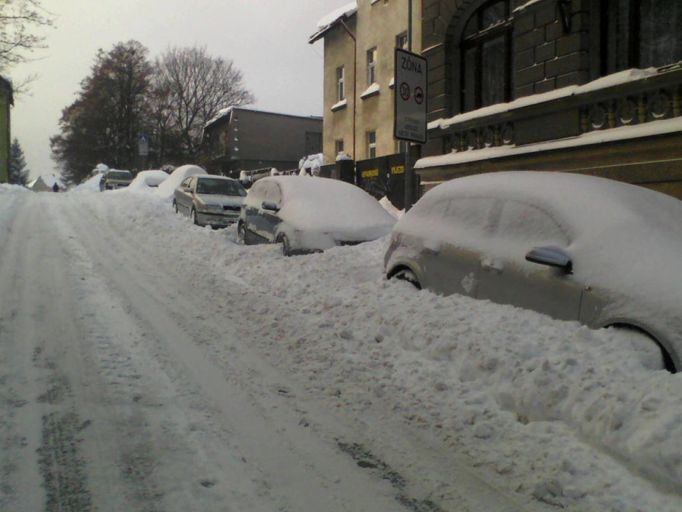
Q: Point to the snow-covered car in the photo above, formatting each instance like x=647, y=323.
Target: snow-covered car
x=307, y=214
x=209, y=200
x=115, y=179
x=148, y=179
x=601, y=252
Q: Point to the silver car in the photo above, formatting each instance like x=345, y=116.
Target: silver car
x=115, y=179
x=208, y=200
x=574, y=247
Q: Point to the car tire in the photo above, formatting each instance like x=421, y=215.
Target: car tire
x=405, y=274
x=175, y=207
x=193, y=215
x=241, y=233
x=648, y=350
x=286, y=245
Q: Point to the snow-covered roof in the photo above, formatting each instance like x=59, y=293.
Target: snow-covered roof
x=331, y=19
x=49, y=180
x=221, y=113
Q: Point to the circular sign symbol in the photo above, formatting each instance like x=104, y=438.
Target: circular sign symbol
x=419, y=95
x=405, y=91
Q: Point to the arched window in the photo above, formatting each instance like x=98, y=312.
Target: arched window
x=486, y=56
x=640, y=34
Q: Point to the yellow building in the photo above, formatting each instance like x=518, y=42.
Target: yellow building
x=359, y=46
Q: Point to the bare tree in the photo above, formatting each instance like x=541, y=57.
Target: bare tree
x=193, y=87
x=18, y=19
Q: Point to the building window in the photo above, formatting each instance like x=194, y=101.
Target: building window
x=371, y=144
x=401, y=41
x=340, y=83
x=486, y=56
x=640, y=34
x=371, y=65
x=338, y=147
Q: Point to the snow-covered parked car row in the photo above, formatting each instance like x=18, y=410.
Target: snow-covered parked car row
x=573, y=247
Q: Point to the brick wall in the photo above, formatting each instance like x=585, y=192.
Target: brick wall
x=545, y=55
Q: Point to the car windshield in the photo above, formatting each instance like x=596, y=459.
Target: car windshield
x=119, y=175
x=221, y=187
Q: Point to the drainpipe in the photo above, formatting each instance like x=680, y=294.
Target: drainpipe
x=355, y=79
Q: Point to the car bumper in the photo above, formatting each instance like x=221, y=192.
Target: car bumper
x=217, y=219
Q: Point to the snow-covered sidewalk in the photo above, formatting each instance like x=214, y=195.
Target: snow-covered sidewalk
x=451, y=394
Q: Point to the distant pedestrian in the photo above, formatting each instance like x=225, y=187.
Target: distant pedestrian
x=55, y=188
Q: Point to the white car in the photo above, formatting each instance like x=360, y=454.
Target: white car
x=308, y=214
x=597, y=251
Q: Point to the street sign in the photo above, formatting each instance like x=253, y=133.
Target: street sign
x=410, y=101
x=142, y=145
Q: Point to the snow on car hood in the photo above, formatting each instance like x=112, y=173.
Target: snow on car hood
x=325, y=205
x=167, y=189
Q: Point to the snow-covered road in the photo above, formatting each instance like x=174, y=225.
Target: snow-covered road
x=146, y=364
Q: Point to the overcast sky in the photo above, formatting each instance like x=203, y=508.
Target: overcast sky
x=266, y=39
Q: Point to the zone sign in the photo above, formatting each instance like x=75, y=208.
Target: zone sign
x=410, y=98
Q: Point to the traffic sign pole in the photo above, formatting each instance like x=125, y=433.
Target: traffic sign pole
x=411, y=82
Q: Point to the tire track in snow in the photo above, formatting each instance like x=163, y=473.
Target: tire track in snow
x=236, y=359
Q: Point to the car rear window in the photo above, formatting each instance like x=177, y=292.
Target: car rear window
x=119, y=175
x=220, y=187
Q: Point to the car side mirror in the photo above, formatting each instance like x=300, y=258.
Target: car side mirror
x=552, y=257
x=269, y=206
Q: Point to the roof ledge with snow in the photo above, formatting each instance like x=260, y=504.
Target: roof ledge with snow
x=332, y=19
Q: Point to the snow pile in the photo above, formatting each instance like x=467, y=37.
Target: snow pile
x=311, y=164
x=91, y=184
x=147, y=181
x=7, y=188
x=100, y=169
x=387, y=205
x=550, y=410
x=167, y=188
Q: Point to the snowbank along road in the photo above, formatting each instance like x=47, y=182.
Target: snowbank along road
x=147, y=364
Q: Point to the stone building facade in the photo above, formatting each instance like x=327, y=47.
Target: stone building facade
x=588, y=86
x=359, y=44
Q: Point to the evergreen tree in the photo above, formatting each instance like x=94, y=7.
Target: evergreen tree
x=18, y=173
x=104, y=122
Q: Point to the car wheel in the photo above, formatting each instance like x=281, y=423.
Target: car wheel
x=241, y=233
x=175, y=207
x=286, y=245
x=193, y=215
x=647, y=349
x=405, y=274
